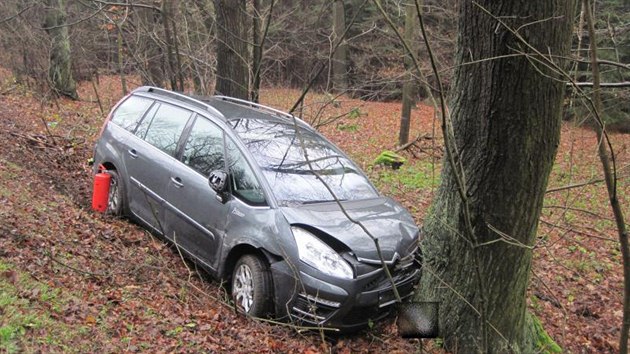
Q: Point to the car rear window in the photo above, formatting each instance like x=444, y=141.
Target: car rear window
x=130, y=112
x=166, y=128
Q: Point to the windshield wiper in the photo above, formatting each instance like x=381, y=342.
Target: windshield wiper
x=321, y=201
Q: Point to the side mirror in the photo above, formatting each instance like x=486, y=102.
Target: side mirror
x=217, y=181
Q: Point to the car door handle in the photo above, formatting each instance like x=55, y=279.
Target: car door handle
x=133, y=153
x=177, y=182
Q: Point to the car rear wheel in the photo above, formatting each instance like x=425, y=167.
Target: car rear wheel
x=116, y=198
x=252, y=290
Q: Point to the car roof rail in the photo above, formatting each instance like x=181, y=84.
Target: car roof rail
x=182, y=97
x=261, y=107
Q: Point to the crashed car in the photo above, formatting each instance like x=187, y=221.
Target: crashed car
x=260, y=199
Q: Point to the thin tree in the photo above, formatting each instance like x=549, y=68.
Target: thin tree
x=409, y=85
x=149, y=53
x=501, y=138
x=170, y=40
x=258, y=45
x=608, y=164
x=232, y=54
x=339, y=56
x=60, y=68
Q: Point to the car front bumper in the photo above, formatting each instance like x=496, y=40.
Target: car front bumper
x=345, y=305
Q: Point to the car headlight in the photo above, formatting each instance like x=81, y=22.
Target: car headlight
x=317, y=254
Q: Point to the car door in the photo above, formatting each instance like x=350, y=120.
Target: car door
x=195, y=218
x=149, y=161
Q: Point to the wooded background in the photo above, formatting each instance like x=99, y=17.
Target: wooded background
x=190, y=46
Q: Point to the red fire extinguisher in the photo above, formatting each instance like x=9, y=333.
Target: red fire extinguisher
x=100, y=192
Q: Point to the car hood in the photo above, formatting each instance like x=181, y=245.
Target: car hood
x=384, y=218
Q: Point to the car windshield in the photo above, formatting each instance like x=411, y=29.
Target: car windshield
x=294, y=179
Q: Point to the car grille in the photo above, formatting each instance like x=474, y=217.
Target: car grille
x=399, y=271
x=311, y=311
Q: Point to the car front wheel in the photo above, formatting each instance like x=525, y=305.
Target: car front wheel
x=252, y=287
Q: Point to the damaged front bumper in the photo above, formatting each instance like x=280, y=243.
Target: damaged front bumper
x=311, y=299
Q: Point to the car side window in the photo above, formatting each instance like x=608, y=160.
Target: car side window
x=243, y=181
x=166, y=127
x=129, y=113
x=203, y=151
x=143, y=126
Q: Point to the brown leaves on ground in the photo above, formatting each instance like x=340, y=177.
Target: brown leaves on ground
x=120, y=288
x=123, y=290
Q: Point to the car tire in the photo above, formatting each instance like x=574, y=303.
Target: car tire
x=116, y=200
x=252, y=290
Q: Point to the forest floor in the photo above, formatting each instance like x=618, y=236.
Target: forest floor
x=72, y=280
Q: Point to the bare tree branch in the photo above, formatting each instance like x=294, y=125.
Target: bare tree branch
x=7, y=19
x=601, y=84
x=130, y=4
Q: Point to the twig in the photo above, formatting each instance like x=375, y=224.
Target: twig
x=7, y=19
x=602, y=84
x=575, y=209
x=48, y=130
x=570, y=229
x=5, y=91
x=98, y=98
x=33, y=139
x=582, y=184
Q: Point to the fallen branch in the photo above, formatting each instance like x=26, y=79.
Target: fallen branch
x=36, y=139
x=552, y=300
x=413, y=142
x=5, y=91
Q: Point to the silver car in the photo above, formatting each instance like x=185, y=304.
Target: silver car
x=257, y=197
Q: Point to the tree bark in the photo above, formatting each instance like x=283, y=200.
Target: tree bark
x=258, y=46
x=339, y=57
x=256, y=50
x=505, y=132
x=178, y=63
x=150, y=56
x=60, y=70
x=169, y=41
x=121, y=62
x=408, y=90
x=232, y=54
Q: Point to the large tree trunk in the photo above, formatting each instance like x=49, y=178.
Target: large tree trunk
x=60, y=70
x=506, y=124
x=232, y=54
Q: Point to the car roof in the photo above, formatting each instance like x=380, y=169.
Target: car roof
x=224, y=107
